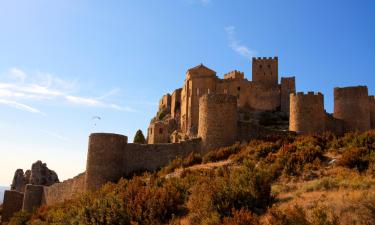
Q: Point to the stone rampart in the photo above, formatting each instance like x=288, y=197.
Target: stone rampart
x=65, y=190
x=110, y=157
x=372, y=111
x=32, y=197
x=352, y=106
x=12, y=203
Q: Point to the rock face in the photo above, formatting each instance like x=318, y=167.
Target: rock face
x=41, y=175
x=19, y=181
x=38, y=175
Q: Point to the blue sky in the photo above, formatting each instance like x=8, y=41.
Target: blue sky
x=63, y=62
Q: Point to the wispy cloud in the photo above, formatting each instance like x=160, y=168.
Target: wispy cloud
x=20, y=106
x=40, y=86
x=236, y=45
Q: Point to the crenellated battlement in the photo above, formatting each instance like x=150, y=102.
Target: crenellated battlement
x=275, y=58
x=235, y=74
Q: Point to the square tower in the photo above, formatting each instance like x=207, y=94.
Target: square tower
x=265, y=71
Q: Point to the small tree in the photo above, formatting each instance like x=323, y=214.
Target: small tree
x=139, y=138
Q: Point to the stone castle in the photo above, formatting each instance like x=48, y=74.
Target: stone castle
x=205, y=114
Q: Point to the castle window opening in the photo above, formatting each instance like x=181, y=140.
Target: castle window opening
x=160, y=130
x=238, y=88
x=260, y=66
x=269, y=66
x=208, y=91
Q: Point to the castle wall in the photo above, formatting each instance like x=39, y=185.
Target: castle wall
x=334, y=125
x=104, y=159
x=110, y=157
x=165, y=101
x=307, y=113
x=372, y=111
x=234, y=75
x=288, y=86
x=217, y=120
x=138, y=157
x=352, y=106
x=158, y=133
x=260, y=97
x=265, y=71
x=32, y=197
x=12, y=203
x=65, y=190
x=247, y=131
x=176, y=103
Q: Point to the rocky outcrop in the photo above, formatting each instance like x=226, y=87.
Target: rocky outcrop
x=41, y=175
x=19, y=181
x=38, y=175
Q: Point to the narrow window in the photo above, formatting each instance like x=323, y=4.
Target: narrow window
x=160, y=130
x=260, y=66
x=238, y=88
x=198, y=91
x=269, y=66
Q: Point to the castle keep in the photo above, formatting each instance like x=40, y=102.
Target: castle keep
x=179, y=115
x=205, y=114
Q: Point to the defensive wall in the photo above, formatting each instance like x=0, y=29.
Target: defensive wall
x=12, y=203
x=354, y=110
x=65, y=190
x=352, y=106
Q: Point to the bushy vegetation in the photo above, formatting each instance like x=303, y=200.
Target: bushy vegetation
x=266, y=182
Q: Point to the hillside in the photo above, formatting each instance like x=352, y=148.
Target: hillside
x=294, y=180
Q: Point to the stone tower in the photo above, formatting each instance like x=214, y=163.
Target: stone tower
x=352, y=106
x=265, y=71
x=288, y=86
x=104, y=159
x=217, y=120
x=199, y=80
x=307, y=113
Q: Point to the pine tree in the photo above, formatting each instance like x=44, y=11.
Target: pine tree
x=139, y=138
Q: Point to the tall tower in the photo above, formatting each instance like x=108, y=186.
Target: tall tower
x=307, y=113
x=217, y=120
x=265, y=71
x=199, y=80
x=352, y=105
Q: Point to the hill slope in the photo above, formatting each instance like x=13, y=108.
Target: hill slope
x=295, y=180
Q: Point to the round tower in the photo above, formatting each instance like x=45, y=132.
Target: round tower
x=104, y=159
x=217, y=120
x=307, y=113
x=352, y=106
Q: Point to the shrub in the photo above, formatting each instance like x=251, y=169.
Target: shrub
x=355, y=158
x=248, y=188
x=241, y=217
x=192, y=159
x=221, y=153
x=290, y=216
x=19, y=218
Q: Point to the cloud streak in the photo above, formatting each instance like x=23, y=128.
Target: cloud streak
x=47, y=87
x=236, y=45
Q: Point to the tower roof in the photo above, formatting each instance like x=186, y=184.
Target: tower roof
x=201, y=68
